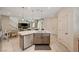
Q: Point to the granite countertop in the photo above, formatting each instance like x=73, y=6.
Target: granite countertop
x=32, y=31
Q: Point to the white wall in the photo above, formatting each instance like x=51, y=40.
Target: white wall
x=51, y=24
x=76, y=19
x=14, y=22
x=0, y=22
x=6, y=24
x=76, y=28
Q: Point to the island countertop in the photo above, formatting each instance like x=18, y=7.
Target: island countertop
x=32, y=31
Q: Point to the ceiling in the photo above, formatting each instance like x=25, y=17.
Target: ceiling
x=31, y=12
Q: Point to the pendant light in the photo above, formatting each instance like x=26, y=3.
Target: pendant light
x=23, y=14
x=41, y=19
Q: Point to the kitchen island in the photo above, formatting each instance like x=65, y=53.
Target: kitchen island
x=28, y=38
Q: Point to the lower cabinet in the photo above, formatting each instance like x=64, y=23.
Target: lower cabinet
x=36, y=38
x=41, y=38
x=26, y=41
x=78, y=45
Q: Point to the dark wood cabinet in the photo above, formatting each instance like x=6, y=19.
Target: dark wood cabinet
x=41, y=38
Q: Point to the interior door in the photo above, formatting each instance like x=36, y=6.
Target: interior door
x=65, y=28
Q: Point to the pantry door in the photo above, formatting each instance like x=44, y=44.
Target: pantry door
x=65, y=28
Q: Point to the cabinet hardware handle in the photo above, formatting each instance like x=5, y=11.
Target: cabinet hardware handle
x=66, y=33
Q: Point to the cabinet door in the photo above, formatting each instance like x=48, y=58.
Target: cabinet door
x=65, y=28
x=28, y=40
x=41, y=38
x=37, y=38
x=45, y=38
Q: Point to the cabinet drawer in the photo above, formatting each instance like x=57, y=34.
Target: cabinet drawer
x=41, y=38
x=46, y=39
x=37, y=40
x=37, y=34
x=45, y=34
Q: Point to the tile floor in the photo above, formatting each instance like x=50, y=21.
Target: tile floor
x=13, y=46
